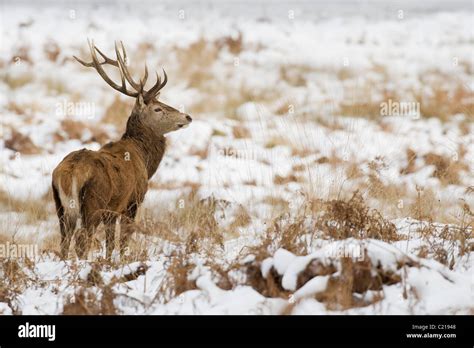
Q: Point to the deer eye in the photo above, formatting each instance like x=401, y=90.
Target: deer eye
x=157, y=110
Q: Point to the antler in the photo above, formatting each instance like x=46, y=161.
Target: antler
x=121, y=64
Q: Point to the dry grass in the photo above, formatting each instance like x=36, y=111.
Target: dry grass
x=13, y=281
x=26, y=110
x=202, y=152
x=294, y=75
x=72, y=129
x=277, y=140
x=191, y=220
x=447, y=169
x=353, y=171
x=192, y=227
x=176, y=280
x=395, y=199
x=55, y=86
x=346, y=283
x=423, y=208
x=441, y=101
x=411, y=158
x=196, y=63
x=333, y=160
x=192, y=224
x=51, y=50
x=21, y=143
x=444, y=103
x=353, y=218
x=356, y=277
x=241, y=219
x=34, y=210
x=446, y=243
x=193, y=60
x=117, y=112
x=22, y=55
x=277, y=203
x=86, y=302
x=202, y=53
x=359, y=101
x=240, y=132
x=234, y=45
x=388, y=195
x=283, y=180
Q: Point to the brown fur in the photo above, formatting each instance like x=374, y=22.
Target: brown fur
x=93, y=187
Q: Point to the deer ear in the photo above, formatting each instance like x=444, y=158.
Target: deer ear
x=139, y=104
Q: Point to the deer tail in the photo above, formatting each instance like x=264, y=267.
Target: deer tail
x=68, y=188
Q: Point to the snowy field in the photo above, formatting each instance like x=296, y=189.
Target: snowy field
x=329, y=167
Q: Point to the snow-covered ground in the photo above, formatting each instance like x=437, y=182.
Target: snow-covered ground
x=391, y=282
x=288, y=103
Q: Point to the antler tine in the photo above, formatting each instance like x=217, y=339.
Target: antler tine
x=165, y=81
x=121, y=66
x=89, y=65
x=123, y=51
x=145, y=77
x=107, y=60
x=98, y=67
x=125, y=75
x=131, y=80
x=124, y=68
x=152, y=92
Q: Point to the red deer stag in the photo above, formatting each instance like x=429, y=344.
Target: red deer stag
x=91, y=187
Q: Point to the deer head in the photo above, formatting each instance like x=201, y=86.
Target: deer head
x=148, y=112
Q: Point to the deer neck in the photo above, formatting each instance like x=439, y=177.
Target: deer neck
x=151, y=145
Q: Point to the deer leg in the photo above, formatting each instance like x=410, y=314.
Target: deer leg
x=82, y=243
x=65, y=241
x=66, y=226
x=126, y=231
x=109, y=237
x=126, y=227
x=91, y=214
